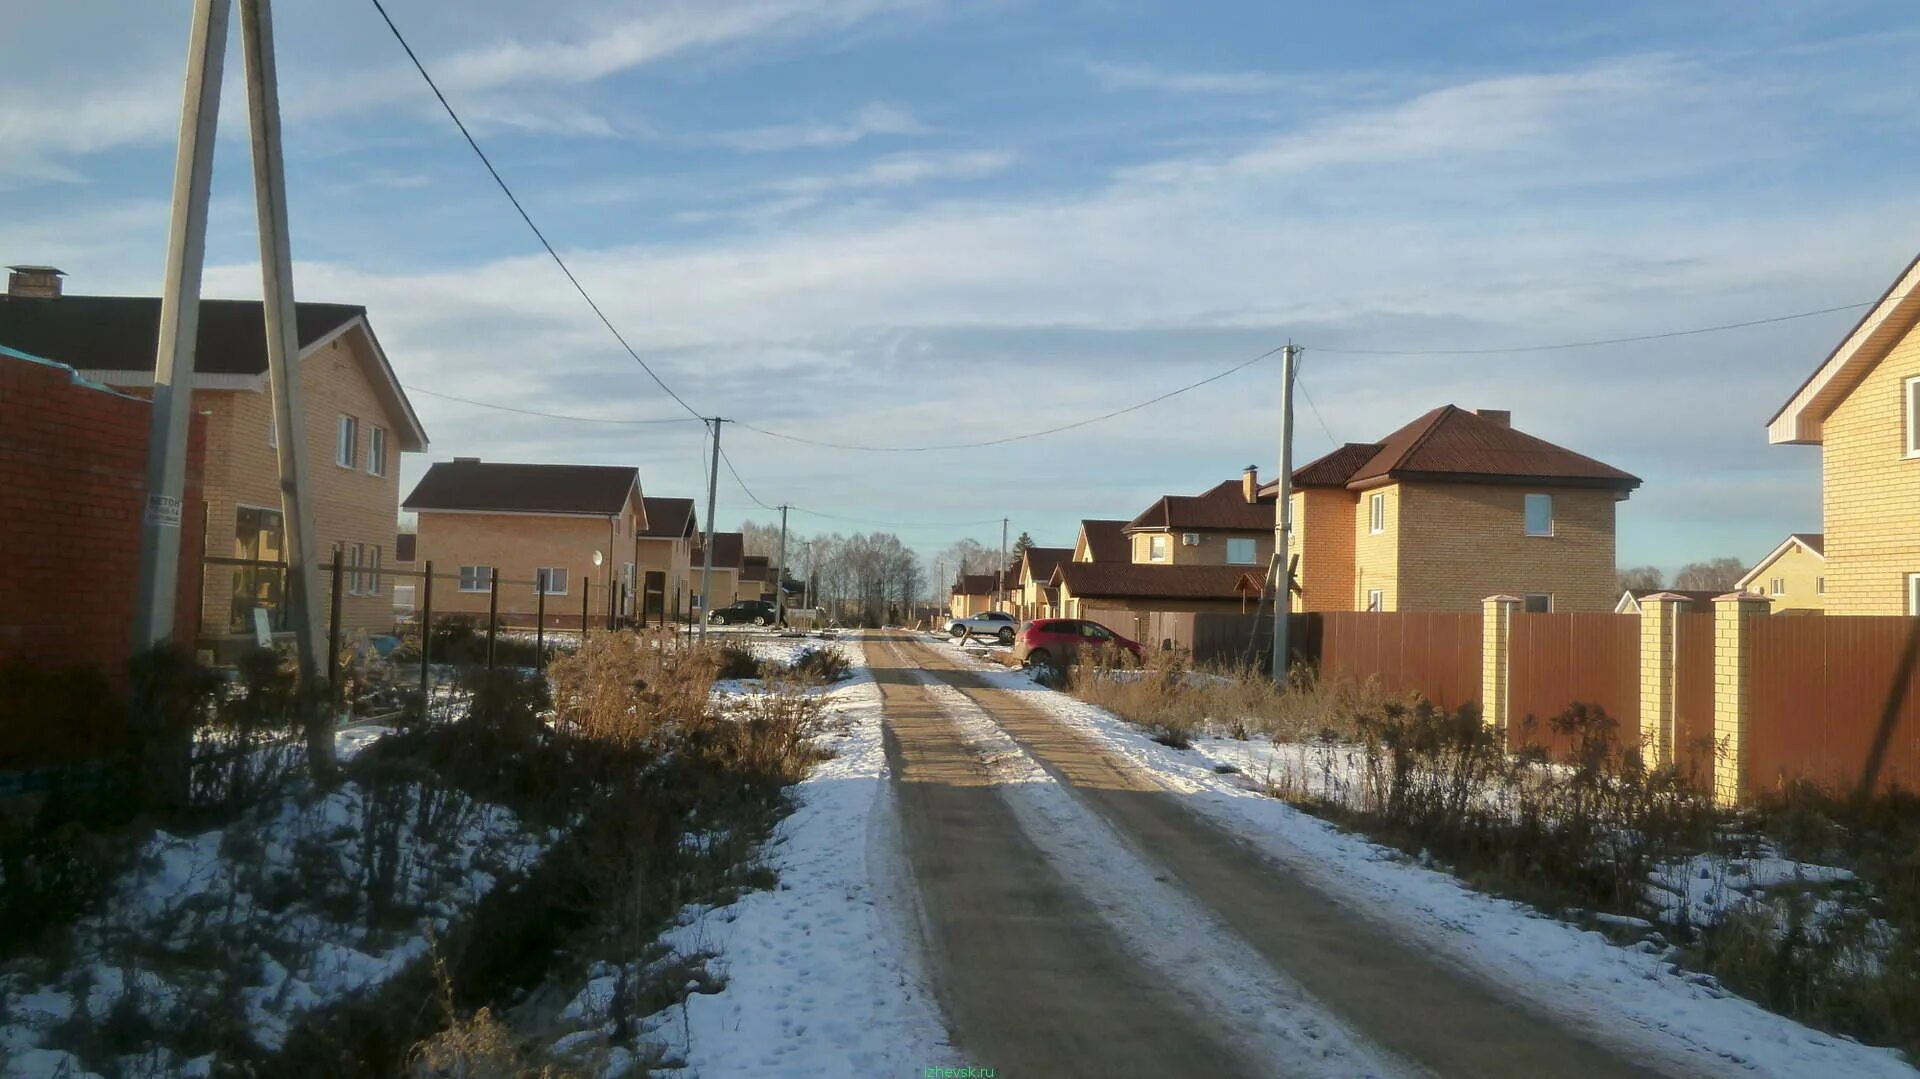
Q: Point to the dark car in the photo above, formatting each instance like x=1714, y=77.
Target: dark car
x=1059, y=642
x=748, y=612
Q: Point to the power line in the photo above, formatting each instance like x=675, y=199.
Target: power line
x=524, y=216
x=535, y=412
x=728, y=461
x=1594, y=343
x=1316, y=411
x=1242, y=365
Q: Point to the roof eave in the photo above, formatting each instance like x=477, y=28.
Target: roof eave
x=1800, y=420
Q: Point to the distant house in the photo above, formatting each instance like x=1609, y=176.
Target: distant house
x=729, y=561
x=756, y=577
x=1861, y=406
x=665, y=559
x=1102, y=541
x=358, y=422
x=1452, y=508
x=973, y=593
x=1123, y=595
x=1227, y=525
x=1035, y=596
x=1793, y=575
x=572, y=527
x=1697, y=602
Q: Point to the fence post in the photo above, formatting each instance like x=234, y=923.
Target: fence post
x=540, y=617
x=586, y=606
x=1496, y=641
x=333, y=636
x=1733, y=616
x=493, y=615
x=426, y=637
x=1659, y=639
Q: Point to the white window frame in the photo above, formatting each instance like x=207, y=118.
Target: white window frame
x=372, y=587
x=1819, y=586
x=1376, y=601
x=1913, y=593
x=483, y=578
x=346, y=447
x=1246, y=544
x=1912, y=449
x=1526, y=514
x=543, y=578
x=1376, y=513
x=1158, y=547
x=352, y=570
x=403, y=597
x=1777, y=586
x=376, y=451
x=1531, y=596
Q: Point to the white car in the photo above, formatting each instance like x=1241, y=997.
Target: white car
x=999, y=625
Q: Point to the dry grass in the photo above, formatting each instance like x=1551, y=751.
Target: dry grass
x=623, y=689
x=1176, y=703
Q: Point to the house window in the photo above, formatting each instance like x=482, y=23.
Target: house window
x=475, y=578
x=1377, y=513
x=347, y=450
x=1913, y=593
x=371, y=586
x=257, y=537
x=551, y=579
x=1240, y=552
x=353, y=552
x=1157, y=548
x=1777, y=586
x=1538, y=603
x=376, y=451
x=1913, y=416
x=1539, y=515
x=1377, y=600
x=1819, y=586
x=403, y=597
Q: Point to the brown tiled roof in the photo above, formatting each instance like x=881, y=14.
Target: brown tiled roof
x=1107, y=540
x=1452, y=444
x=122, y=333
x=488, y=486
x=1129, y=580
x=1702, y=599
x=1223, y=507
x=755, y=567
x=1041, y=560
x=729, y=551
x=975, y=584
x=1815, y=541
x=668, y=518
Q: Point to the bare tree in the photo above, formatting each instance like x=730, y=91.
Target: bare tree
x=968, y=556
x=1641, y=578
x=1716, y=575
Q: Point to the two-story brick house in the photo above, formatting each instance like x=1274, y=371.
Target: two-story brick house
x=574, y=527
x=1862, y=408
x=1452, y=508
x=1102, y=540
x=358, y=422
x=666, y=559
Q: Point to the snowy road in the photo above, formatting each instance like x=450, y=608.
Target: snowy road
x=1080, y=920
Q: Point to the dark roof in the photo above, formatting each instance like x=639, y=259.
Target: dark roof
x=1452, y=444
x=122, y=333
x=1041, y=560
x=488, y=486
x=1107, y=540
x=1223, y=507
x=668, y=518
x=1129, y=580
x=729, y=551
x=1815, y=541
x=755, y=567
x=1698, y=596
x=976, y=584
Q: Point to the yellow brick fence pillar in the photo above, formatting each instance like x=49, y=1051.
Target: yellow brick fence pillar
x=1733, y=616
x=1658, y=623
x=1496, y=634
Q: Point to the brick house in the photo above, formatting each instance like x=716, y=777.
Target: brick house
x=1124, y=595
x=973, y=593
x=358, y=422
x=1793, y=575
x=1102, y=541
x=575, y=527
x=729, y=560
x=756, y=577
x=1230, y=524
x=1861, y=406
x=1452, y=508
x=665, y=558
x=1035, y=596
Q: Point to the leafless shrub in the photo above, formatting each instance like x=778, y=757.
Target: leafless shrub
x=622, y=688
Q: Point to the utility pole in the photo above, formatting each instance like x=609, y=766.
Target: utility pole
x=706, y=570
x=1002, y=597
x=1283, y=519
x=939, y=582
x=780, y=573
x=179, y=327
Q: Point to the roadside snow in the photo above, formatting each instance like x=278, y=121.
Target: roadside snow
x=1617, y=994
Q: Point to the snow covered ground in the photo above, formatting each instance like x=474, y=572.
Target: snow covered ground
x=1630, y=995
x=820, y=977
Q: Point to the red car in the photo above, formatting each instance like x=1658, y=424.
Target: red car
x=1059, y=642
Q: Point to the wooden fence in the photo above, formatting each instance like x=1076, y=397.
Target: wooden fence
x=1835, y=700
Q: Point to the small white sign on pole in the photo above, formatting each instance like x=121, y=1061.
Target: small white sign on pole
x=262, y=631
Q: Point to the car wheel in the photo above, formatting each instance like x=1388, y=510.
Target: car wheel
x=957, y=630
x=759, y=619
x=1006, y=636
x=716, y=619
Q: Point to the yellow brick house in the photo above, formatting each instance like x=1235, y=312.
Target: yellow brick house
x=1793, y=575
x=1862, y=408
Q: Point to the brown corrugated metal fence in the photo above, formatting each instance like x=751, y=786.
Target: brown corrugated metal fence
x=1835, y=700
x=1436, y=655
x=1558, y=659
x=1693, y=694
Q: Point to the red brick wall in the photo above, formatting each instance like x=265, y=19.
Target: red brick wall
x=73, y=461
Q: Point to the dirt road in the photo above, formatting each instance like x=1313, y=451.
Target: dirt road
x=1035, y=984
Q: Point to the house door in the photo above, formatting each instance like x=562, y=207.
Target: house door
x=656, y=596
x=259, y=536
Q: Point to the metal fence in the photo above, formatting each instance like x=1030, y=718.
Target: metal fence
x=1558, y=659
x=1835, y=700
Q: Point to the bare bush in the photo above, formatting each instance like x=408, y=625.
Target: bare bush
x=621, y=688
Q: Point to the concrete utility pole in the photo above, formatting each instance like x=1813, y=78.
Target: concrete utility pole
x=713, y=490
x=283, y=344
x=1283, y=518
x=1002, y=597
x=179, y=327
x=780, y=572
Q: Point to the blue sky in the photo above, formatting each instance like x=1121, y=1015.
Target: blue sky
x=911, y=221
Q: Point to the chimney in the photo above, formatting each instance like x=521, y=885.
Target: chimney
x=466, y=460
x=1250, y=484
x=1495, y=415
x=34, y=282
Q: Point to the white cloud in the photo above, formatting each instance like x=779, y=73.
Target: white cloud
x=874, y=119
x=899, y=170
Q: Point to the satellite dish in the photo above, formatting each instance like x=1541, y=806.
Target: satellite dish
x=598, y=558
